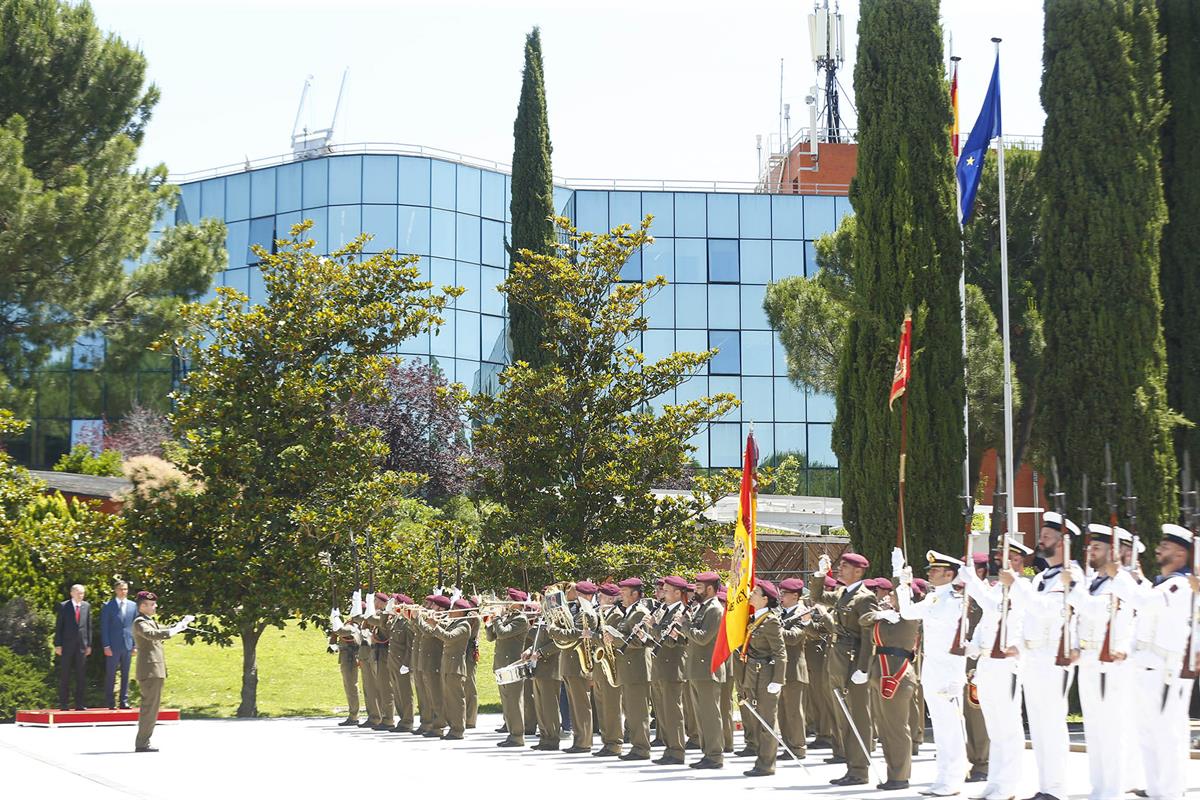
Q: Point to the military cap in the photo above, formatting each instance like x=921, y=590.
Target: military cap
x=794, y=585
x=631, y=583
x=610, y=589
x=722, y=594
x=691, y=587
x=585, y=587
x=439, y=600
x=708, y=577
x=659, y=581
x=516, y=595
x=830, y=583
x=144, y=596
x=1100, y=533
x=462, y=604
x=768, y=589
x=675, y=582
x=381, y=597
x=856, y=559
x=1051, y=519
x=936, y=559
x=1126, y=540
x=882, y=583
x=980, y=559
x=1016, y=544
x=921, y=584
x=1177, y=534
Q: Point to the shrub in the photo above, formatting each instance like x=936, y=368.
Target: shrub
x=25, y=682
x=81, y=460
x=25, y=630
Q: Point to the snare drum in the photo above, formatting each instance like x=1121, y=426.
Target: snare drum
x=512, y=673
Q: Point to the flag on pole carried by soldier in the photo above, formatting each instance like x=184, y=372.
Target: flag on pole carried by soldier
x=903, y=361
x=732, y=633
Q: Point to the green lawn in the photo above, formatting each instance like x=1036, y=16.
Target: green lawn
x=296, y=676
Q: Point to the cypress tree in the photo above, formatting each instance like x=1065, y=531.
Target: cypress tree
x=906, y=255
x=1104, y=367
x=1180, y=25
x=532, y=196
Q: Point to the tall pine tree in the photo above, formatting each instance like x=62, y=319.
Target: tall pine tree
x=906, y=255
x=532, y=197
x=1104, y=366
x=1180, y=25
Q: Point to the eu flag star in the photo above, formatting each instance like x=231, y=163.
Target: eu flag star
x=970, y=161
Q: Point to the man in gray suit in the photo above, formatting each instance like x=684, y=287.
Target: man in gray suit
x=116, y=637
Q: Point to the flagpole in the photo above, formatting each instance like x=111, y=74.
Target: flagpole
x=968, y=494
x=1010, y=500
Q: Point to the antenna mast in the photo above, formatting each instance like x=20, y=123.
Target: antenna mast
x=827, y=33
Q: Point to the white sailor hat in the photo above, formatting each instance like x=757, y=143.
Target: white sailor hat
x=1052, y=519
x=1126, y=539
x=1015, y=543
x=1100, y=533
x=1177, y=534
x=937, y=559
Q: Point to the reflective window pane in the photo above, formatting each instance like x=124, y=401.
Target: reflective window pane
x=820, y=446
x=699, y=445
x=755, y=216
x=790, y=439
x=789, y=401
x=692, y=389
x=756, y=352
x=467, y=238
x=631, y=270
x=691, y=306
x=625, y=208
x=755, y=261
x=237, y=242
x=662, y=206
x=467, y=276
x=764, y=439
x=725, y=443
x=591, y=211
x=819, y=216
x=491, y=301
x=262, y=233
x=690, y=214
x=561, y=201
x=491, y=200
x=810, y=258
x=443, y=181
x=842, y=208
x=723, y=306
x=345, y=180
x=754, y=317
x=468, y=190
x=757, y=401
x=316, y=182
x=237, y=196
x=659, y=259
x=412, y=230
x=379, y=179
x=723, y=261
x=258, y=287
x=237, y=279
x=727, y=385
x=212, y=198
x=345, y=223
x=723, y=215
x=492, y=242
x=492, y=334
x=690, y=341
x=413, y=181
x=821, y=407
x=728, y=361
x=466, y=335
x=787, y=216
x=787, y=259
x=657, y=345
x=188, y=209
x=441, y=233
x=659, y=308
x=691, y=260
x=442, y=342
x=319, y=232
x=380, y=221
x=281, y=195
x=283, y=226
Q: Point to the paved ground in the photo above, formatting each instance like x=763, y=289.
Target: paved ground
x=301, y=758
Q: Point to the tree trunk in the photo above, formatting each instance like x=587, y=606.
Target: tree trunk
x=250, y=637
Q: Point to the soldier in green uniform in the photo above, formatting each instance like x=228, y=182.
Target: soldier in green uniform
x=399, y=673
x=691, y=726
x=454, y=633
x=547, y=678
x=796, y=621
x=473, y=665
x=764, y=657
x=366, y=667
x=728, y=686
x=508, y=631
x=849, y=660
x=668, y=671
x=604, y=675
x=698, y=630
x=416, y=671
x=893, y=683
x=822, y=689
x=431, y=669
x=578, y=681
x=633, y=668
x=379, y=625
x=151, y=670
x=348, y=639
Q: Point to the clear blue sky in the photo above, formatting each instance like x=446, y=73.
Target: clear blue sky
x=647, y=89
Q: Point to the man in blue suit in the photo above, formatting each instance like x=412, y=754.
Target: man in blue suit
x=116, y=635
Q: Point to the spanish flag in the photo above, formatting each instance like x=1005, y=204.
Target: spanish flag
x=732, y=634
x=903, y=361
x=954, y=106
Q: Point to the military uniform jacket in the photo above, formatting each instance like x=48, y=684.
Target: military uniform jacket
x=1044, y=610
x=568, y=639
x=548, y=665
x=431, y=647
x=606, y=615
x=416, y=646
x=670, y=661
x=400, y=640
x=766, y=654
x=455, y=635
x=148, y=637
x=633, y=658
x=796, y=632
x=1090, y=622
x=895, y=645
x=701, y=636
x=851, y=645
x=1163, y=620
x=508, y=632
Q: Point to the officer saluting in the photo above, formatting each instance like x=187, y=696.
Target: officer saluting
x=151, y=672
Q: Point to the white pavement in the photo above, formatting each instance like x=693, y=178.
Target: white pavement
x=300, y=758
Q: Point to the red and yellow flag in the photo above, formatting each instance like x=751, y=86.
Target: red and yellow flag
x=903, y=361
x=954, y=107
x=732, y=634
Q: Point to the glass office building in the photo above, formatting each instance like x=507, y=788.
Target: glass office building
x=718, y=249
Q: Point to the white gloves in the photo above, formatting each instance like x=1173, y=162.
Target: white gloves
x=824, y=564
x=356, y=606
x=773, y=688
x=897, y=562
x=888, y=615
x=966, y=573
x=906, y=576
x=335, y=621
x=403, y=670
x=859, y=677
x=973, y=650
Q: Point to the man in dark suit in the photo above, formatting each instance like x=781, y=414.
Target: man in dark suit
x=73, y=644
x=116, y=637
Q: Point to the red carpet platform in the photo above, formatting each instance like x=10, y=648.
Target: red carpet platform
x=53, y=718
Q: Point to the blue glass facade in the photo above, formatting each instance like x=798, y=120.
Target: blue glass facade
x=718, y=250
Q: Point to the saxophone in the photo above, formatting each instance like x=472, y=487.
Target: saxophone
x=605, y=655
x=584, y=649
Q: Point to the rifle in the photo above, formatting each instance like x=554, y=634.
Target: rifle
x=1000, y=518
x=958, y=646
x=1191, y=659
x=1110, y=490
x=1063, y=658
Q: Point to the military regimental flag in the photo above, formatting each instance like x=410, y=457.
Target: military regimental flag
x=903, y=361
x=954, y=107
x=732, y=634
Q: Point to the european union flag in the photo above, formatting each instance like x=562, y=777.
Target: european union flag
x=970, y=162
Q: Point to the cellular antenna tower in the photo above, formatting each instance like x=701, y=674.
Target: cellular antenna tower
x=827, y=34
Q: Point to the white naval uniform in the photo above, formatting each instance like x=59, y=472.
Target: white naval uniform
x=998, y=682
x=1104, y=686
x=943, y=676
x=1046, y=684
x=1162, y=634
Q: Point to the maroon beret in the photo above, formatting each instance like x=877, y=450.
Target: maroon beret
x=658, y=581
x=585, y=587
x=791, y=585
x=768, y=589
x=883, y=583
x=856, y=559
x=517, y=595
x=921, y=584
x=144, y=596
x=708, y=577
x=610, y=589
x=463, y=603
x=631, y=583
x=830, y=583
x=382, y=597
x=691, y=587
x=979, y=559
x=722, y=594
x=675, y=581
x=439, y=600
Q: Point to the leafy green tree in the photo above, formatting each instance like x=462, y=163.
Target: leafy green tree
x=81, y=460
x=906, y=256
x=575, y=449
x=532, y=196
x=1179, y=21
x=74, y=209
x=263, y=417
x=1104, y=368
